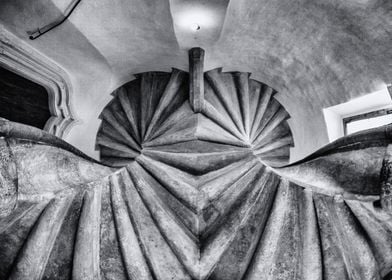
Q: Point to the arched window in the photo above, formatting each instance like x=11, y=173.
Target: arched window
x=22, y=60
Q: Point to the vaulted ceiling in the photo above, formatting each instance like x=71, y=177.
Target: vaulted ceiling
x=315, y=53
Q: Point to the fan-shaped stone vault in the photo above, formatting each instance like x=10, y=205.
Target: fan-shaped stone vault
x=199, y=188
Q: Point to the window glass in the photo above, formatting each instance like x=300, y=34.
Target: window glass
x=367, y=123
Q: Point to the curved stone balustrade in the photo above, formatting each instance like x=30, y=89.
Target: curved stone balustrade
x=150, y=220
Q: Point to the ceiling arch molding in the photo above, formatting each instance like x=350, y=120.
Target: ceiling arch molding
x=22, y=59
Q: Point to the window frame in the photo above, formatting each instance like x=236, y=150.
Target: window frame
x=368, y=115
x=20, y=58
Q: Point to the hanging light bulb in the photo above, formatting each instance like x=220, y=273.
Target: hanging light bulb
x=195, y=27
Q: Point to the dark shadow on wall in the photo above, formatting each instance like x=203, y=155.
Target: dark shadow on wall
x=22, y=100
x=388, y=276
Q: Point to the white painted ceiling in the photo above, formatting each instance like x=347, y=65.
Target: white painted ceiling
x=316, y=53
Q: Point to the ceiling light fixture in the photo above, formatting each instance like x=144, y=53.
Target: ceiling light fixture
x=195, y=27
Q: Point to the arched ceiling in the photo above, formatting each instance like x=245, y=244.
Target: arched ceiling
x=315, y=53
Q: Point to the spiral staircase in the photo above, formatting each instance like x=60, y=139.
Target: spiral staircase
x=194, y=192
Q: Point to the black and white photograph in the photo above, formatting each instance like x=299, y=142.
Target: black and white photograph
x=196, y=139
